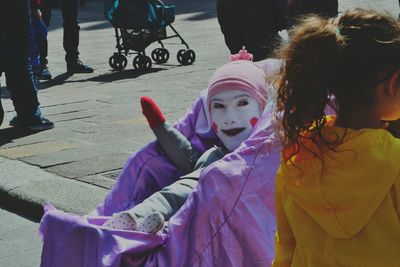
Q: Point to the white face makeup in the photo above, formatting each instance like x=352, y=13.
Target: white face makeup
x=234, y=114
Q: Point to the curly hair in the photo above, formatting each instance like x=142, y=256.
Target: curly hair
x=345, y=58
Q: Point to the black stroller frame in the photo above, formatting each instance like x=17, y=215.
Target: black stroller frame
x=133, y=41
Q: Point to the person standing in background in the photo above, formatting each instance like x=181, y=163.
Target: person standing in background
x=15, y=63
x=69, y=10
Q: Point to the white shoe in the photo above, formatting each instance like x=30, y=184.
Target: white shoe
x=152, y=223
x=122, y=221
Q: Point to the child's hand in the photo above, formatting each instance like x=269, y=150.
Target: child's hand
x=37, y=13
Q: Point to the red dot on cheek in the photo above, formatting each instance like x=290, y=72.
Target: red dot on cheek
x=215, y=127
x=253, y=121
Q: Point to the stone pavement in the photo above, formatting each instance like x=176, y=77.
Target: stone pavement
x=19, y=242
x=98, y=117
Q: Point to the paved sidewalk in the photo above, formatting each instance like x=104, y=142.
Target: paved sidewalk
x=19, y=242
x=97, y=116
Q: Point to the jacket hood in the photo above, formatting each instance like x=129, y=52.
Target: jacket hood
x=342, y=190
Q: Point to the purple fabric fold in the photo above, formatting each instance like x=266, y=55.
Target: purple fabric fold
x=229, y=219
x=72, y=240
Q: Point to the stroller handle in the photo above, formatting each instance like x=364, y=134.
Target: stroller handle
x=161, y=3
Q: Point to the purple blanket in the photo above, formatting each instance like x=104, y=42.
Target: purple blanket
x=229, y=220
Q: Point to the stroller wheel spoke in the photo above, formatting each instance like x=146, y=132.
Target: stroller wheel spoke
x=165, y=55
x=179, y=55
x=154, y=54
x=136, y=62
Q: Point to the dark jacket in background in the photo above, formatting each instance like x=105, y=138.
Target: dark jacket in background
x=299, y=8
x=254, y=24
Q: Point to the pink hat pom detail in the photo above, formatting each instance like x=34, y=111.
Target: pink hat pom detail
x=242, y=55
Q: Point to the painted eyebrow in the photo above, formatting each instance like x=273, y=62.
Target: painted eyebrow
x=236, y=97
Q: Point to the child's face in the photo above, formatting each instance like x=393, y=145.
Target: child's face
x=234, y=114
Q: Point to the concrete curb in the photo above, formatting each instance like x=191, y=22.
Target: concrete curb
x=25, y=188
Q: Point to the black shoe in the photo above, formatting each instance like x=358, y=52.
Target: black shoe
x=78, y=67
x=34, y=124
x=43, y=73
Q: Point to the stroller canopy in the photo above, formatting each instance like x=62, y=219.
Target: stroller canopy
x=138, y=14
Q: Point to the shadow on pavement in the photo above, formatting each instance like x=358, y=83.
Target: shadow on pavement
x=22, y=207
x=201, y=16
x=122, y=75
x=107, y=77
x=58, y=80
x=4, y=93
x=100, y=26
x=7, y=135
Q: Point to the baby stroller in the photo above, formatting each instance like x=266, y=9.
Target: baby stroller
x=138, y=23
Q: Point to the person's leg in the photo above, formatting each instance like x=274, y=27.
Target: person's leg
x=18, y=74
x=25, y=101
x=149, y=216
x=43, y=72
x=167, y=201
x=69, y=10
x=18, y=71
x=176, y=146
x=34, y=51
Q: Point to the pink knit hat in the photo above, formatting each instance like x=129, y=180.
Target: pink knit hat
x=240, y=74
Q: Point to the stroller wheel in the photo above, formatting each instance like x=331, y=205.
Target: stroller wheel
x=160, y=55
x=186, y=57
x=141, y=62
x=118, y=62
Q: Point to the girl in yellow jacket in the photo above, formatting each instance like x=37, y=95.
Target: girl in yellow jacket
x=338, y=186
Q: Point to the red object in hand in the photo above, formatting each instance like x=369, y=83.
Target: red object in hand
x=152, y=112
x=36, y=3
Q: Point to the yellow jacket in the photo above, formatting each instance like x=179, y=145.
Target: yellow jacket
x=345, y=212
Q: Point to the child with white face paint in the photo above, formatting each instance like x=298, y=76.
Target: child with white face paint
x=234, y=114
x=236, y=98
